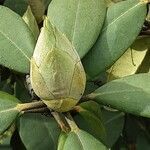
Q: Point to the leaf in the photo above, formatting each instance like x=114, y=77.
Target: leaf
x=80, y=20
x=16, y=41
x=43, y=131
x=57, y=75
x=46, y=3
x=6, y=86
x=61, y=140
x=89, y=119
x=109, y=3
x=38, y=9
x=19, y=6
x=81, y=140
x=8, y=111
x=143, y=43
x=90, y=87
x=21, y=92
x=29, y=18
x=130, y=94
x=113, y=123
x=5, y=138
x=123, y=23
x=127, y=64
x=16, y=142
x=142, y=142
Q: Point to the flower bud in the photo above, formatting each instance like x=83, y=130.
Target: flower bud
x=57, y=75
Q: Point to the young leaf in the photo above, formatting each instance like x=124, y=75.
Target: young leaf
x=80, y=20
x=57, y=75
x=123, y=23
x=29, y=18
x=16, y=41
x=38, y=129
x=8, y=111
x=130, y=94
x=81, y=140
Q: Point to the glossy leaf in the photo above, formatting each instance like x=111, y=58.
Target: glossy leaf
x=115, y=36
x=16, y=41
x=43, y=131
x=130, y=94
x=89, y=119
x=80, y=20
x=29, y=18
x=81, y=140
x=8, y=111
x=57, y=75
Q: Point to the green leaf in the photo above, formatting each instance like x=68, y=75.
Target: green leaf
x=113, y=123
x=142, y=44
x=19, y=6
x=90, y=87
x=38, y=9
x=46, y=3
x=5, y=138
x=143, y=142
x=89, y=118
x=38, y=129
x=123, y=23
x=8, y=111
x=127, y=64
x=109, y=3
x=16, y=41
x=61, y=140
x=21, y=91
x=29, y=18
x=6, y=86
x=130, y=94
x=80, y=20
x=81, y=140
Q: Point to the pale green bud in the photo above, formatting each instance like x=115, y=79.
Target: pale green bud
x=57, y=75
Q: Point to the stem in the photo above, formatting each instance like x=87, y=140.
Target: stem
x=59, y=120
x=71, y=122
x=37, y=110
x=32, y=105
x=87, y=97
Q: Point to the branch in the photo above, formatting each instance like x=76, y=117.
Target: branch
x=60, y=121
x=28, y=106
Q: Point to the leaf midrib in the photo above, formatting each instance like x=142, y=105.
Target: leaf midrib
x=14, y=44
x=75, y=22
x=122, y=15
